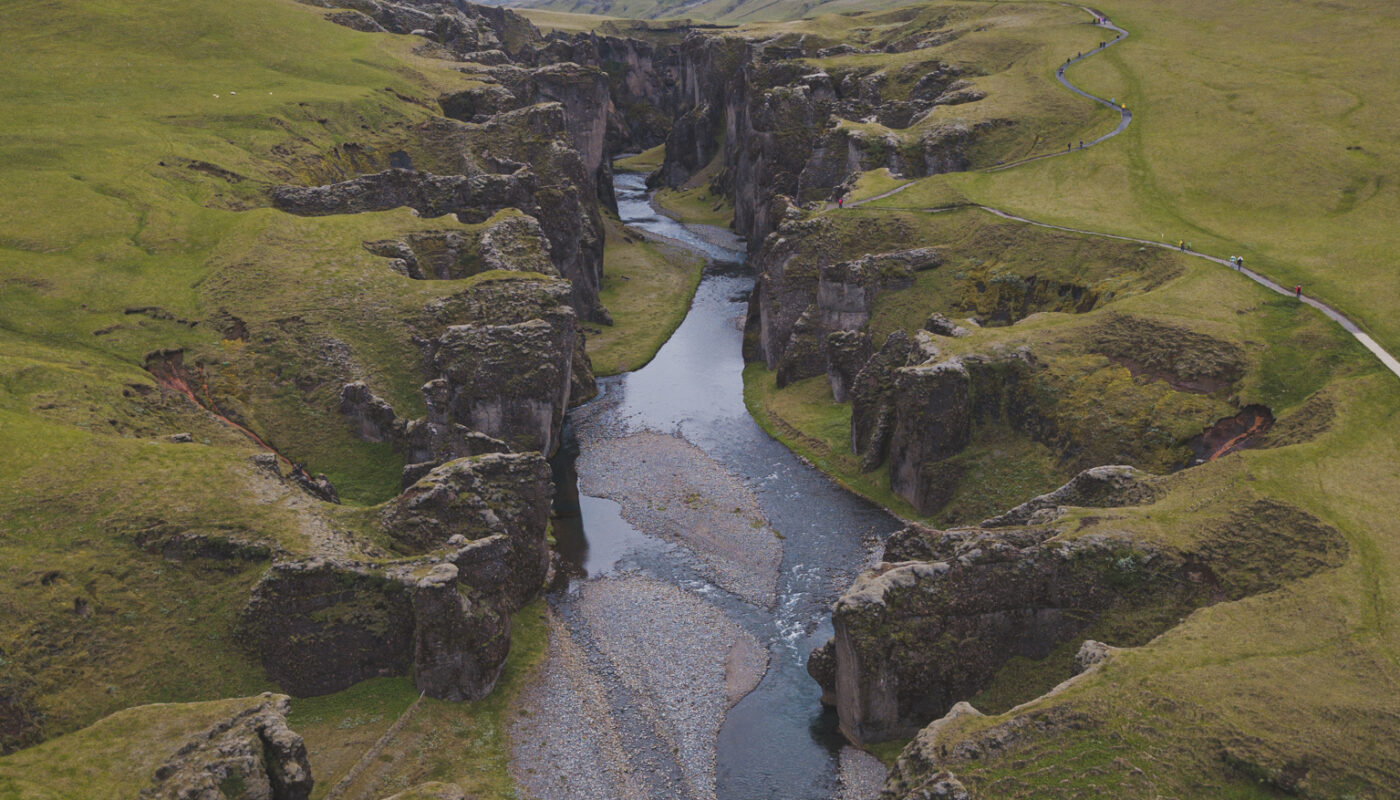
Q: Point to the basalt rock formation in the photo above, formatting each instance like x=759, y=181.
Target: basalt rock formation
x=777, y=123
x=931, y=624
x=253, y=755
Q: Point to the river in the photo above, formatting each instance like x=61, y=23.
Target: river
x=697, y=539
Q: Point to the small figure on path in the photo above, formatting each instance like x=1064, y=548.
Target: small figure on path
x=1239, y=262
x=1298, y=291
x=1181, y=245
x=1081, y=144
x=1069, y=146
x=1235, y=262
x=1188, y=247
x=841, y=201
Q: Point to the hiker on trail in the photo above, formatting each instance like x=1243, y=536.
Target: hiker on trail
x=1188, y=247
x=1081, y=144
x=1235, y=262
x=1239, y=262
x=1069, y=146
x=841, y=201
x=1181, y=245
x=1298, y=291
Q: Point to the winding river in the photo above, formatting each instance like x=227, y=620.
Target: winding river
x=693, y=522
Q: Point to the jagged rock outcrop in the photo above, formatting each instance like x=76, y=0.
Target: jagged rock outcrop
x=932, y=624
x=1097, y=487
x=253, y=755
x=498, y=504
x=473, y=196
x=940, y=325
x=778, y=119
x=512, y=242
x=846, y=354
x=320, y=625
x=931, y=423
x=499, y=384
x=919, y=413
x=510, y=382
x=914, y=637
x=464, y=29
x=872, y=407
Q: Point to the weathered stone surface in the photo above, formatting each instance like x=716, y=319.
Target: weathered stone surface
x=499, y=503
x=1099, y=487
x=510, y=382
x=913, y=638
x=939, y=324
x=374, y=418
x=872, y=401
x=321, y=625
x=459, y=644
x=932, y=422
x=821, y=665
x=428, y=194
x=846, y=354
x=253, y=750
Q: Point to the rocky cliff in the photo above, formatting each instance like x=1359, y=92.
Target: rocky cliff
x=252, y=755
x=931, y=625
x=782, y=126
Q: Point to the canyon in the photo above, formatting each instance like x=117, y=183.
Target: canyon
x=917, y=500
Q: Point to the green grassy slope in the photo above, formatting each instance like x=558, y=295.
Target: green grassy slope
x=136, y=146
x=1260, y=130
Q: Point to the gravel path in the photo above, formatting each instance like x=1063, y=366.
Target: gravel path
x=673, y=490
x=862, y=775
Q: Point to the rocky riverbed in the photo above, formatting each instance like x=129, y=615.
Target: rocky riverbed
x=703, y=567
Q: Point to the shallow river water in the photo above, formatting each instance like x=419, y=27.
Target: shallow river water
x=697, y=537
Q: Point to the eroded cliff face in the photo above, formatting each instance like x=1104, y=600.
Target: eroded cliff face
x=253, y=754
x=523, y=161
x=931, y=625
x=321, y=624
x=785, y=128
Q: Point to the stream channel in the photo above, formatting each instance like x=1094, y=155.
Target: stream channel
x=698, y=548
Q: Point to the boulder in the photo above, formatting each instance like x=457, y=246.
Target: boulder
x=253, y=750
x=1099, y=487
x=499, y=503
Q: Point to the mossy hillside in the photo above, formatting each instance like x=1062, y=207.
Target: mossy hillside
x=695, y=200
x=1007, y=52
x=1285, y=681
x=647, y=161
x=1294, y=177
x=113, y=758
x=146, y=194
x=648, y=285
x=463, y=743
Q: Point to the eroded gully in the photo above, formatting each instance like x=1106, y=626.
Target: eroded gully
x=704, y=558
